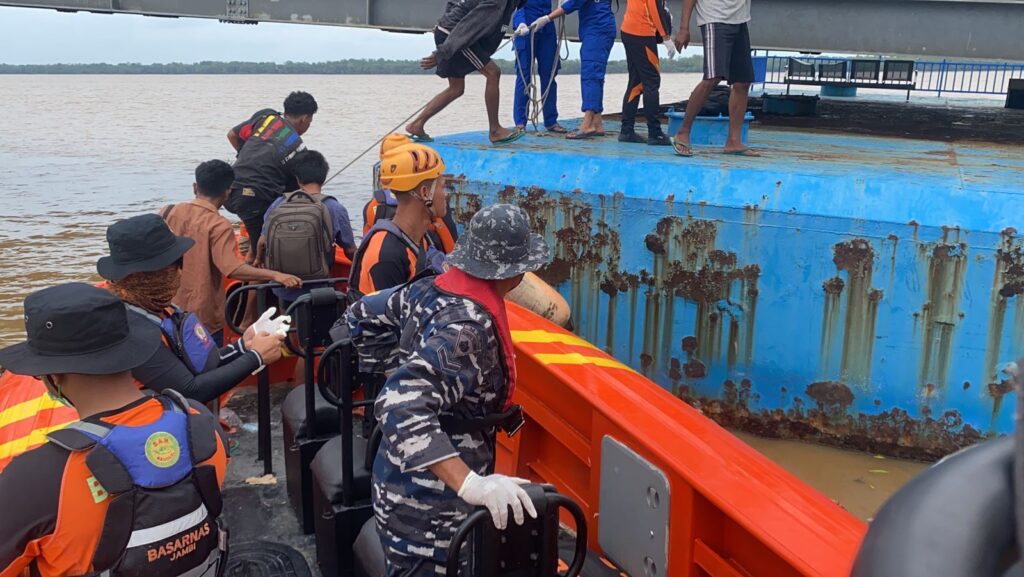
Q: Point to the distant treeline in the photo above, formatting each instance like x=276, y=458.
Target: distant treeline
x=355, y=66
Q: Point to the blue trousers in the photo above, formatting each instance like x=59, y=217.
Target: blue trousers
x=545, y=44
x=597, y=46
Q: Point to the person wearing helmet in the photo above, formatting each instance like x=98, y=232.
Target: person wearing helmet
x=446, y=345
x=395, y=250
x=441, y=234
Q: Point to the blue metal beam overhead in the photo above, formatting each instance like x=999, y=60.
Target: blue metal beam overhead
x=989, y=29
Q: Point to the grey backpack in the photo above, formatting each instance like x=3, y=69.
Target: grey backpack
x=300, y=237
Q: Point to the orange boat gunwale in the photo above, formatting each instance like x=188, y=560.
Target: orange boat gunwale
x=733, y=512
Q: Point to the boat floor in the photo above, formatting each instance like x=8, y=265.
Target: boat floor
x=261, y=511
x=944, y=120
x=257, y=508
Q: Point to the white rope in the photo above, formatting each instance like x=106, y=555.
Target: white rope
x=535, y=102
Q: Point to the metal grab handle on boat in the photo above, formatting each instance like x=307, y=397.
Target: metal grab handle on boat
x=322, y=378
x=554, y=500
x=238, y=291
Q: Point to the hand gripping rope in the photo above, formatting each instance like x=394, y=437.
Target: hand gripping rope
x=536, y=101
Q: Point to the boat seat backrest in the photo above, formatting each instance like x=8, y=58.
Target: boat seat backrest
x=326, y=468
x=369, y=552
x=954, y=519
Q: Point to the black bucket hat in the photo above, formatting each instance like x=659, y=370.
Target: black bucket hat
x=498, y=244
x=82, y=329
x=141, y=244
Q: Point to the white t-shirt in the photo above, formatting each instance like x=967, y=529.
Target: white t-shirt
x=722, y=11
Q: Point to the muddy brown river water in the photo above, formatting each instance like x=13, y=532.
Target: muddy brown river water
x=84, y=151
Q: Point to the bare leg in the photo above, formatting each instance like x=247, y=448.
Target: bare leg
x=597, y=123
x=697, y=99
x=588, y=122
x=737, y=110
x=456, y=88
x=492, y=95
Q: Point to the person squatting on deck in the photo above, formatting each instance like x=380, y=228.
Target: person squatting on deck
x=215, y=254
x=395, y=250
x=544, y=50
x=143, y=269
x=723, y=26
x=597, y=32
x=383, y=204
x=467, y=35
x=449, y=338
x=646, y=24
x=111, y=493
x=266, y=144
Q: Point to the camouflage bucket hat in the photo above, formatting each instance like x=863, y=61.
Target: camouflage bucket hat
x=498, y=244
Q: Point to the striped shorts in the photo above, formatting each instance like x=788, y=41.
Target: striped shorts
x=727, y=52
x=466, y=61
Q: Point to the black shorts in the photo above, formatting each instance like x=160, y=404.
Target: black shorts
x=727, y=52
x=468, y=60
x=251, y=210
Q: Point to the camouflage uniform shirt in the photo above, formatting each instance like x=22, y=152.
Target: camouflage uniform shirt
x=449, y=362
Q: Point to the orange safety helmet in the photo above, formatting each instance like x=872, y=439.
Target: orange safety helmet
x=393, y=141
x=406, y=167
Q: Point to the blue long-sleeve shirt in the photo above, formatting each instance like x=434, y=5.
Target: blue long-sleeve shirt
x=593, y=13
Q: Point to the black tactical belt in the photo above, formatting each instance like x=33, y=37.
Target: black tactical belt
x=510, y=421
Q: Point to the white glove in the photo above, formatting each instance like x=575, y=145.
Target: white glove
x=522, y=30
x=497, y=493
x=540, y=22
x=670, y=49
x=278, y=326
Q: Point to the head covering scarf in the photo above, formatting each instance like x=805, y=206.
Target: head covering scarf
x=151, y=291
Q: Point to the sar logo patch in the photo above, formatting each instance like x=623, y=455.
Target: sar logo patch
x=162, y=450
x=201, y=333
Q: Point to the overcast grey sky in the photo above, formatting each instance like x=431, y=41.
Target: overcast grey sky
x=36, y=36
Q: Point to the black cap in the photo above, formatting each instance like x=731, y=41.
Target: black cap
x=79, y=328
x=141, y=244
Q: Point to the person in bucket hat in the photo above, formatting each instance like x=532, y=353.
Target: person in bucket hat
x=446, y=344
x=83, y=344
x=498, y=244
x=143, y=269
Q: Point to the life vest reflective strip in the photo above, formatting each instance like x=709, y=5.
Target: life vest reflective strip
x=27, y=414
x=419, y=254
x=153, y=470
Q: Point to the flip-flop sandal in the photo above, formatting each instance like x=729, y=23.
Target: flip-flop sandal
x=741, y=152
x=421, y=138
x=686, y=147
x=577, y=135
x=509, y=139
x=557, y=129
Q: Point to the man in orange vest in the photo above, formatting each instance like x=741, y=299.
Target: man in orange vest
x=134, y=487
x=394, y=251
x=442, y=233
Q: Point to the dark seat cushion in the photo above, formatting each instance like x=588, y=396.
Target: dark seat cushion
x=369, y=552
x=293, y=410
x=326, y=468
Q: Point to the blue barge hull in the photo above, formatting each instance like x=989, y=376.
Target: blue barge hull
x=855, y=290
